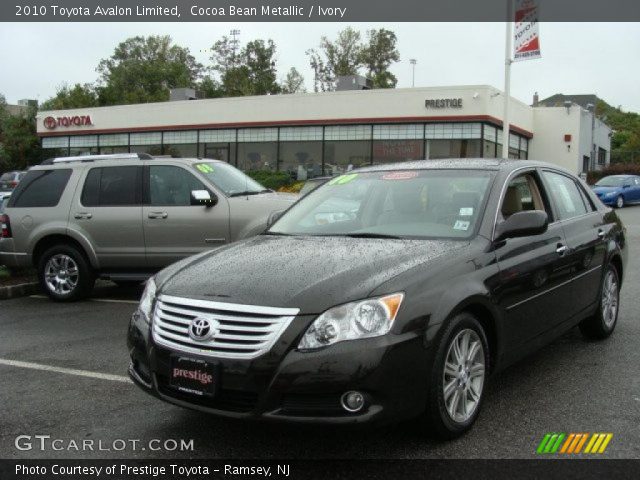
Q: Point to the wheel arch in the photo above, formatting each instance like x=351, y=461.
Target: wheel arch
x=59, y=239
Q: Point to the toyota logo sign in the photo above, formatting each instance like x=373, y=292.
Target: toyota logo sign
x=50, y=123
x=202, y=329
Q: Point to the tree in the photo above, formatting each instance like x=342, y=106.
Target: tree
x=144, y=69
x=333, y=59
x=250, y=71
x=293, y=82
x=209, y=87
x=20, y=144
x=78, y=96
x=378, y=55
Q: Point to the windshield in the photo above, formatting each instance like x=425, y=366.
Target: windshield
x=229, y=179
x=612, y=181
x=401, y=204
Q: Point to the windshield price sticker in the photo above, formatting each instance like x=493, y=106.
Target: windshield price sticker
x=400, y=176
x=204, y=167
x=342, y=179
x=466, y=211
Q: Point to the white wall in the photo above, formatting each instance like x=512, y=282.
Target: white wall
x=550, y=125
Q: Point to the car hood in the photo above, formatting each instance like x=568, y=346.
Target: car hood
x=309, y=273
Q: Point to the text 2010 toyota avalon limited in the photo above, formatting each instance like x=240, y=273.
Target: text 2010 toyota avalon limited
x=389, y=292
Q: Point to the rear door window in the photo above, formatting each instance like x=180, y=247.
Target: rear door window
x=565, y=194
x=40, y=188
x=112, y=187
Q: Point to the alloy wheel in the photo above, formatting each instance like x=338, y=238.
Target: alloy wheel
x=61, y=274
x=463, y=375
x=609, y=302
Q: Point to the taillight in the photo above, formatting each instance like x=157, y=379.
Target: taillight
x=6, y=226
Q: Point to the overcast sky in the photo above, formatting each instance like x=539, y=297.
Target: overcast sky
x=601, y=58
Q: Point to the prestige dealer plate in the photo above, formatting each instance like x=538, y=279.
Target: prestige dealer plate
x=193, y=376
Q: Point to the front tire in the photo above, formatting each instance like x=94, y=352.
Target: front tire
x=65, y=274
x=603, y=322
x=620, y=201
x=458, y=377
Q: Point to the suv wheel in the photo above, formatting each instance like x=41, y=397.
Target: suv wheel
x=458, y=377
x=603, y=322
x=65, y=274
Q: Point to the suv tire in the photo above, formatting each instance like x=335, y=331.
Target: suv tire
x=65, y=274
x=463, y=380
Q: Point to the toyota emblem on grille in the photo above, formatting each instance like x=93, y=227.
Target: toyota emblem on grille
x=202, y=329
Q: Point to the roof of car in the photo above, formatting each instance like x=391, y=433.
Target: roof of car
x=457, y=164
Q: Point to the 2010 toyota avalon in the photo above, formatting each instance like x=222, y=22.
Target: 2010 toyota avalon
x=389, y=292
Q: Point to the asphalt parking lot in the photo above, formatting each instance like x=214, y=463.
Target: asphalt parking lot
x=73, y=386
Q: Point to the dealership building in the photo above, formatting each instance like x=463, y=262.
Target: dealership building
x=312, y=134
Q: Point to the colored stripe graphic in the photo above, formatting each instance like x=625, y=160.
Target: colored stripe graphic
x=572, y=443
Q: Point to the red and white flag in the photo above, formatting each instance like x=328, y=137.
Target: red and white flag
x=526, y=34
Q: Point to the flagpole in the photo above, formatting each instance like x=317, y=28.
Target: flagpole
x=507, y=80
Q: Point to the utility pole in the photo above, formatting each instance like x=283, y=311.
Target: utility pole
x=507, y=80
x=413, y=62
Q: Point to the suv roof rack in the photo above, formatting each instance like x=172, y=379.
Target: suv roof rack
x=93, y=158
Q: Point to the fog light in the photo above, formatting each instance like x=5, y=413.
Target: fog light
x=352, y=401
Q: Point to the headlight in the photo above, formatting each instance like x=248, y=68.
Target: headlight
x=146, y=302
x=364, y=319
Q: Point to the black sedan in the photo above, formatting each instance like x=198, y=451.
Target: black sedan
x=389, y=292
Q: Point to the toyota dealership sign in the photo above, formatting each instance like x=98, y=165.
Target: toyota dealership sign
x=51, y=123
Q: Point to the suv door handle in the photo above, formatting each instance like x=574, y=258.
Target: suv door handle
x=158, y=214
x=81, y=215
x=562, y=249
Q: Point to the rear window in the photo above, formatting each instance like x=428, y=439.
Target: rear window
x=112, y=186
x=6, y=176
x=40, y=188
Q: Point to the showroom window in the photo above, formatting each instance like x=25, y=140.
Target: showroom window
x=55, y=147
x=115, y=143
x=180, y=144
x=218, y=145
x=150, y=143
x=258, y=149
x=453, y=140
x=346, y=147
x=396, y=143
x=83, y=145
x=301, y=152
x=489, y=143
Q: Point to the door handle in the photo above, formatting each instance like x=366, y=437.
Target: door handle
x=158, y=214
x=601, y=233
x=81, y=215
x=562, y=249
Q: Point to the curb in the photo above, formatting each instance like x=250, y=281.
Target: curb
x=20, y=290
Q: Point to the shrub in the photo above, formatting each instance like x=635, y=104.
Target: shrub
x=272, y=180
x=293, y=188
x=613, y=169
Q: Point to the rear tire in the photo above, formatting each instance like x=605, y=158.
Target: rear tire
x=458, y=377
x=603, y=322
x=65, y=274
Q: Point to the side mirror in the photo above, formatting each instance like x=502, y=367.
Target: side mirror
x=626, y=186
x=203, y=197
x=523, y=224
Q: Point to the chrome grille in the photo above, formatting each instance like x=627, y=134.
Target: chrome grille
x=244, y=331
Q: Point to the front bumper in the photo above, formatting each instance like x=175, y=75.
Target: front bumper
x=610, y=201
x=287, y=385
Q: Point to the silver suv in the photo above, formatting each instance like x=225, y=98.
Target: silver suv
x=125, y=216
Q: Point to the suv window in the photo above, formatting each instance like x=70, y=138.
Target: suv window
x=40, y=188
x=171, y=186
x=565, y=194
x=112, y=186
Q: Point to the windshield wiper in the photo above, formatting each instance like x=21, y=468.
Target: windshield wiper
x=249, y=192
x=371, y=235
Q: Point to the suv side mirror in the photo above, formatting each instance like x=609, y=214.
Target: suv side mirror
x=523, y=224
x=203, y=197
